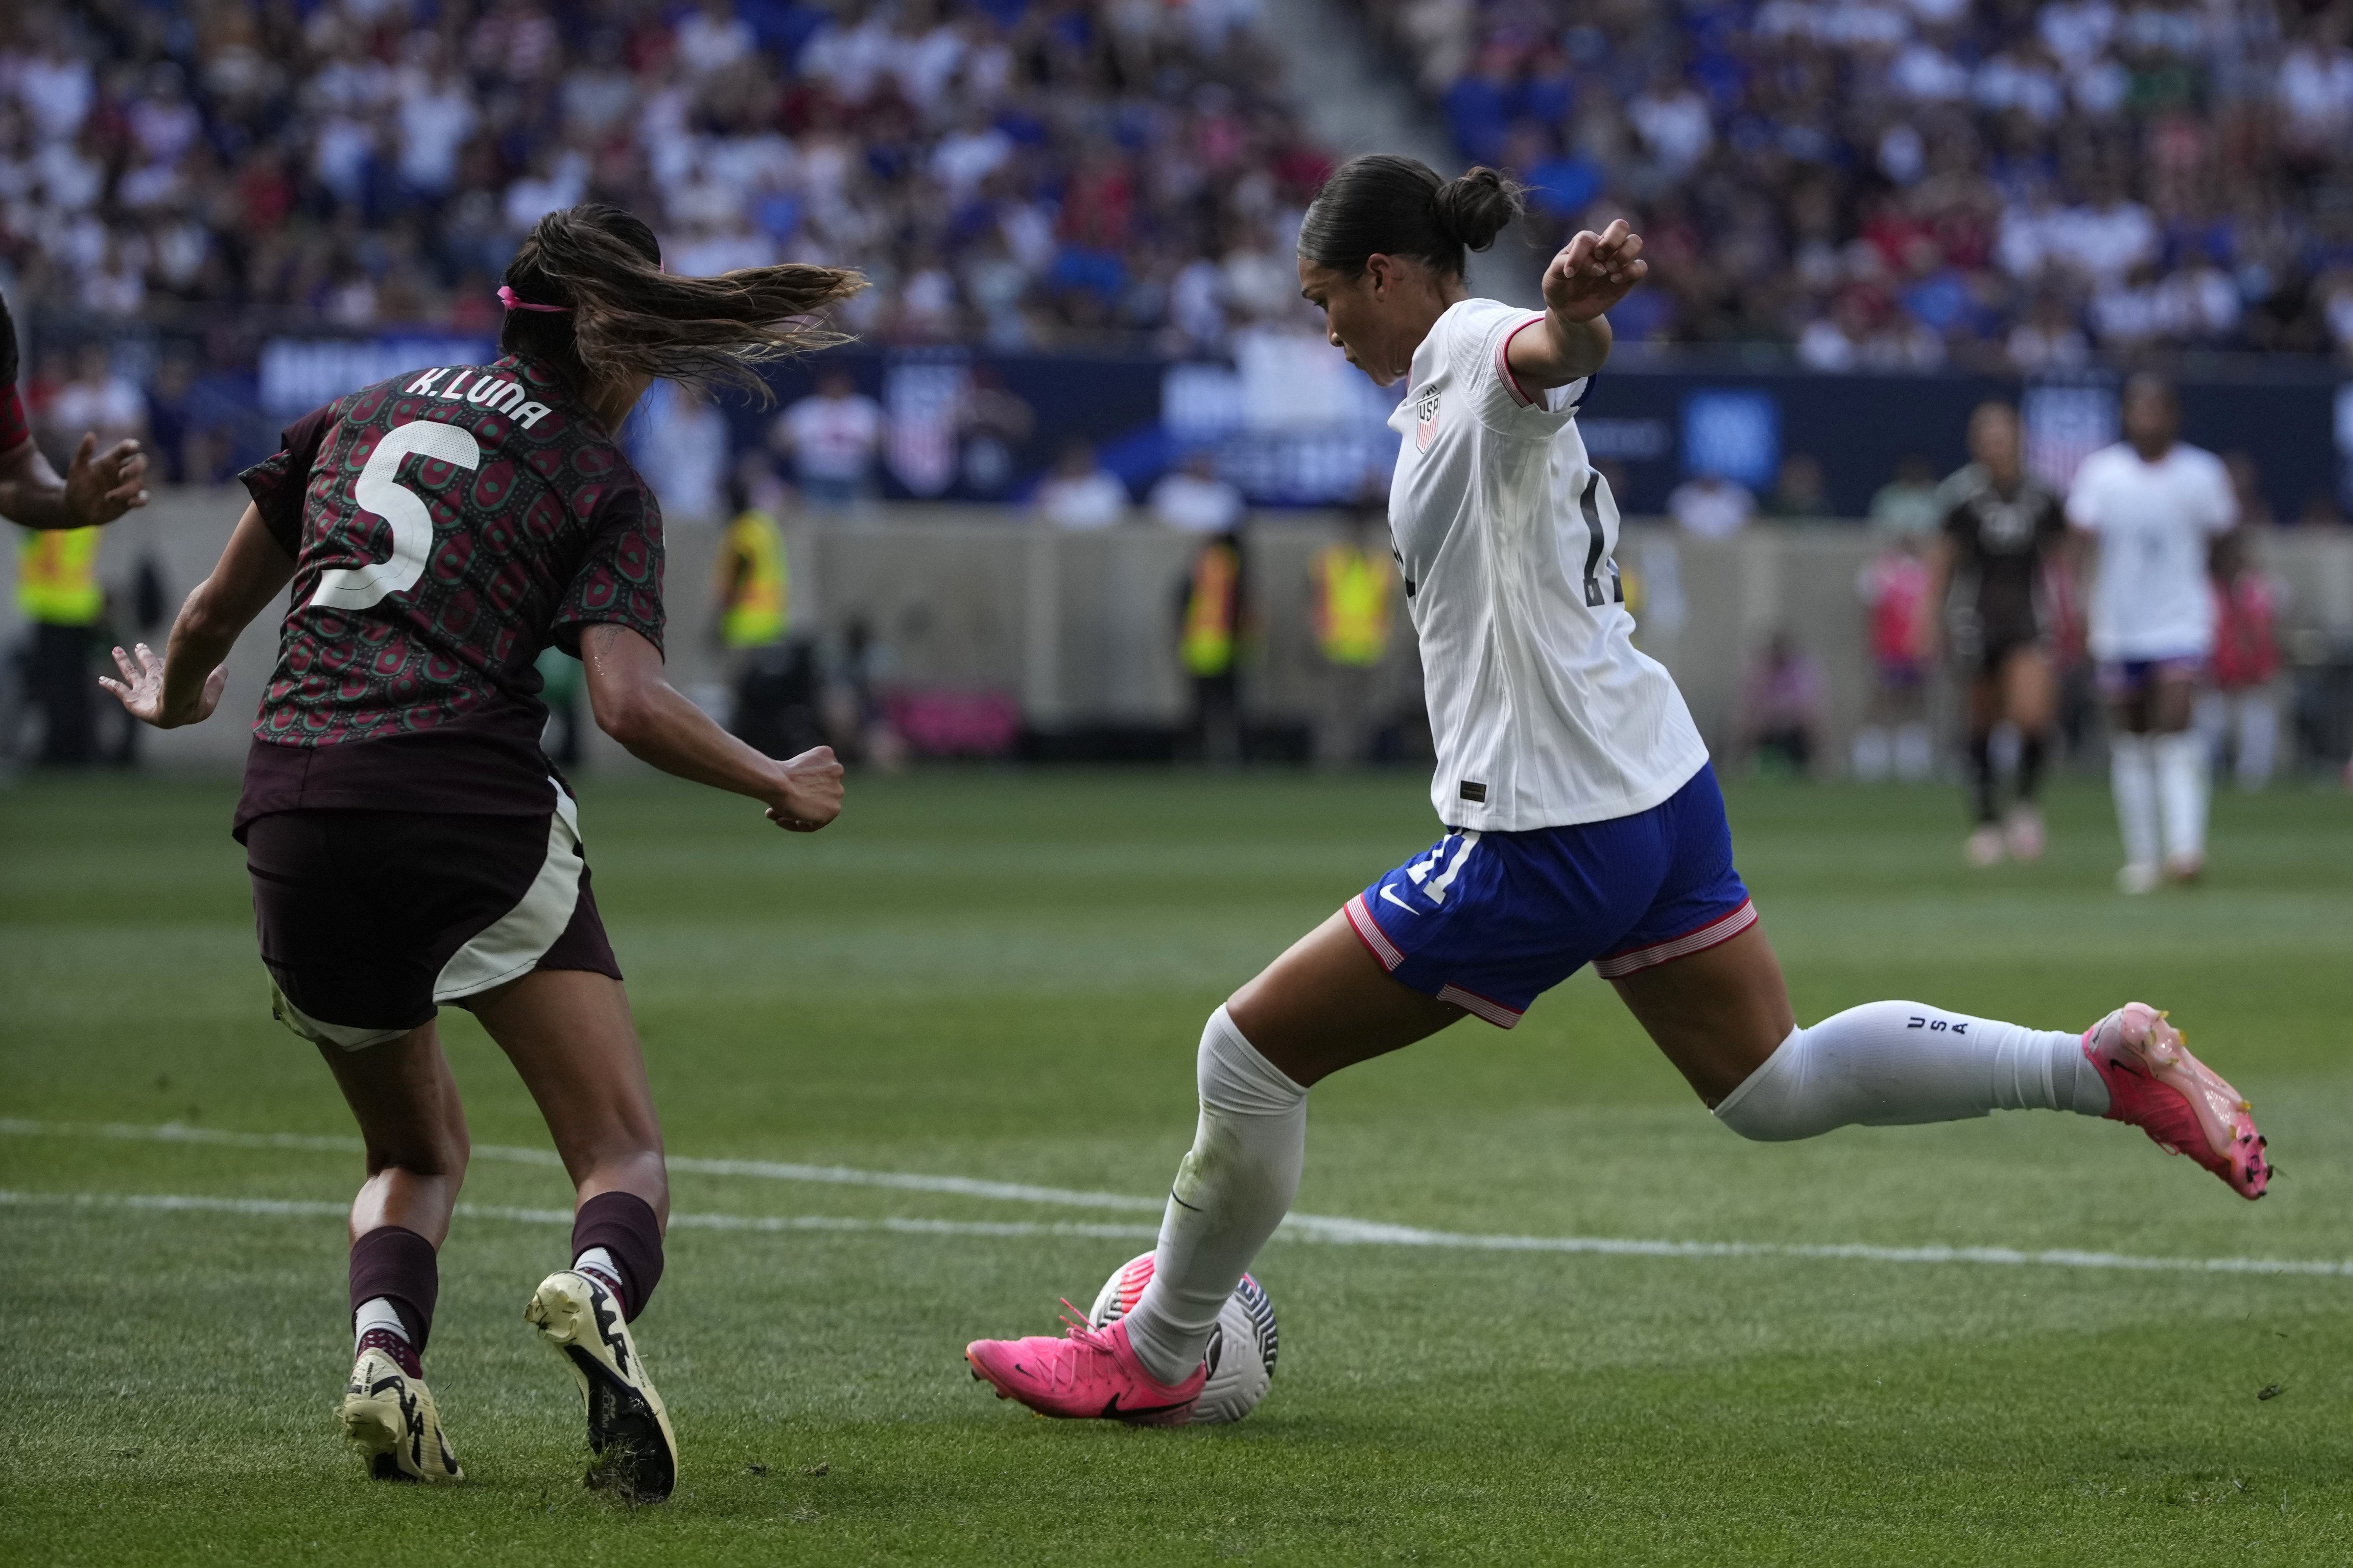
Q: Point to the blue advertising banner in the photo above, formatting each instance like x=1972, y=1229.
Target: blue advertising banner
x=1291, y=425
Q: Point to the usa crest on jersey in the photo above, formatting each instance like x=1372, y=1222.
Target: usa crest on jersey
x=1425, y=419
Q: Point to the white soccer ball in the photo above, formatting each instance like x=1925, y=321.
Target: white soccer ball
x=1241, y=1347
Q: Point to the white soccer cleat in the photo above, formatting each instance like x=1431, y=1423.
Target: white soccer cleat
x=2136, y=878
x=1984, y=847
x=391, y=1418
x=628, y=1430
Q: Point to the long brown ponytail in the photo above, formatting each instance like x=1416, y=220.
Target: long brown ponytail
x=620, y=315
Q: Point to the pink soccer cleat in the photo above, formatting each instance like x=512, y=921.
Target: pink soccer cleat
x=2154, y=1084
x=1089, y=1375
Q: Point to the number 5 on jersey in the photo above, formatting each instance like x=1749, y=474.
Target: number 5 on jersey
x=381, y=492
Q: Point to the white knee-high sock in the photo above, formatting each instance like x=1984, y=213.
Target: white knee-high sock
x=2181, y=786
x=2132, y=777
x=1889, y=1063
x=1231, y=1192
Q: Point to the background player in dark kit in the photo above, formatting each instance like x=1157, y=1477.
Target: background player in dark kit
x=2000, y=531
x=410, y=845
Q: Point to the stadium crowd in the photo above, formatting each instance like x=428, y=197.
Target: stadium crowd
x=1016, y=172
x=1907, y=184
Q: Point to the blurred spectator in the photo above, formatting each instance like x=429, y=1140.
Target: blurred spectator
x=679, y=441
x=1709, y=506
x=1907, y=504
x=1894, y=738
x=353, y=161
x=1079, y=493
x=1902, y=184
x=96, y=400
x=1191, y=497
x=832, y=437
x=1213, y=607
x=1352, y=604
x=1800, y=493
x=62, y=603
x=774, y=675
x=1782, y=726
x=2238, y=712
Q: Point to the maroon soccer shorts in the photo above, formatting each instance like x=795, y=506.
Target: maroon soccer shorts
x=370, y=920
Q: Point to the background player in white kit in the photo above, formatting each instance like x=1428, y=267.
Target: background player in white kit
x=1584, y=824
x=2152, y=506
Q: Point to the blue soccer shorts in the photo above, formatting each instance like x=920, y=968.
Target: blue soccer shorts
x=1490, y=921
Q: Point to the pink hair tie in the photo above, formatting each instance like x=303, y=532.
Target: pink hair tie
x=507, y=298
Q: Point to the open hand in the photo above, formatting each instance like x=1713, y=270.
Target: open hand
x=141, y=689
x=809, y=791
x=101, y=488
x=1594, y=271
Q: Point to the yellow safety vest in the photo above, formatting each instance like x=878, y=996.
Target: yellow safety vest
x=1208, y=643
x=1352, y=605
x=754, y=616
x=57, y=577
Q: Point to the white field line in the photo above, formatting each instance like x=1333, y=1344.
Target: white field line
x=1297, y=1227
x=307, y=1208
x=769, y=1170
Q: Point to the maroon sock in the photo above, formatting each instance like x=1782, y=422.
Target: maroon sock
x=395, y=1263
x=623, y=1224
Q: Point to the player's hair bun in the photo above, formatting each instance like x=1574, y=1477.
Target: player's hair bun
x=1477, y=205
x=1381, y=203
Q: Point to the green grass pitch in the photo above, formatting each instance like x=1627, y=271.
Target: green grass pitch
x=1002, y=976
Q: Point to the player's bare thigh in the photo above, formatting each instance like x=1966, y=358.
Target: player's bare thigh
x=1718, y=1013
x=2027, y=692
x=1327, y=1004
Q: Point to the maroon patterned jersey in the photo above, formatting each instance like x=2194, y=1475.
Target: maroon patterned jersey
x=447, y=525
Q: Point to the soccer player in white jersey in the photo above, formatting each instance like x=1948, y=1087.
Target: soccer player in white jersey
x=2151, y=505
x=1583, y=821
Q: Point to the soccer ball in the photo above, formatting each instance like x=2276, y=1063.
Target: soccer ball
x=1241, y=1347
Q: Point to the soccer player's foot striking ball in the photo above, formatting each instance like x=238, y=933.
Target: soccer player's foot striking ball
x=2154, y=1084
x=628, y=1430
x=1984, y=847
x=1091, y=1373
x=390, y=1417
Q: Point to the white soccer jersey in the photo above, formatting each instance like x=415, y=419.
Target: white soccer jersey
x=2149, y=598
x=1544, y=714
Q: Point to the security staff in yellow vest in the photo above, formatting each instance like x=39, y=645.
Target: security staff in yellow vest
x=775, y=678
x=62, y=603
x=1209, y=645
x=1352, y=590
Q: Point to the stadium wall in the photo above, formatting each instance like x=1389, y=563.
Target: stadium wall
x=1080, y=630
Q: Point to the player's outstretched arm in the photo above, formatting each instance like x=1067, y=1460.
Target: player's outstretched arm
x=1591, y=273
x=636, y=704
x=97, y=488
x=184, y=685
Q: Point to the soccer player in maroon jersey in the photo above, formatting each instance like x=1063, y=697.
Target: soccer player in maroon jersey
x=410, y=843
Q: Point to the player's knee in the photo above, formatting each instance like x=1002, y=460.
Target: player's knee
x=1233, y=1077
x=1770, y=1106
